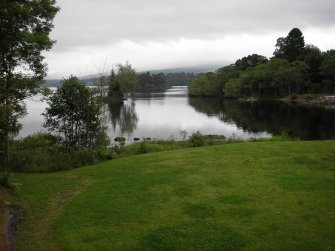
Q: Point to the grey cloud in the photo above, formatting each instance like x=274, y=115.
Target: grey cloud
x=94, y=23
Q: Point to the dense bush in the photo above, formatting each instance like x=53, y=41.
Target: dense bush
x=5, y=180
x=42, y=152
x=197, y=139
x=143, y=149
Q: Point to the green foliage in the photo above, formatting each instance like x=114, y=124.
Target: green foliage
x=39, y=152
x=43, y=152
x=277, y=78
x=197, y=139
x=83, y=157
x=106, y=154
x=233, y=88
x=327, y=70
x=126, y=77
x=250, y=61
x=119, y=145
x=123, y=81
x=290, y=47
x=313, y=58
x=154, y=82
x=296, y=68
x=214, y=84
x=73, y=115
x=203, y=86
x=143, y=148
x=179, y=78
x=6, y=180
x=293, y=97
x=114, y=88
x=24, y=34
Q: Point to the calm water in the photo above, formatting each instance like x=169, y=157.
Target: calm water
x=164, y=115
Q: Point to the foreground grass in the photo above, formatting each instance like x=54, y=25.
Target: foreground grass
x=248, y=196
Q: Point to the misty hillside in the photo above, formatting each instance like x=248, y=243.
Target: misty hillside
x=191, y=69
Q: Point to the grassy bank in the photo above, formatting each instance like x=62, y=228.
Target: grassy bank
x=250, y=196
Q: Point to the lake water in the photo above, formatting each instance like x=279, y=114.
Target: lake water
x=163, y=115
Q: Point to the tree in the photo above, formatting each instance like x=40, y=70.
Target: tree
x=145, y=81
x=225, y=74
x=328, y=71
x=250, y=61
x=73, y=114
x=114, y=88
x=126, y=77
x=290, y=47
x=159, y=81
x=123, y=81
x=24, y=33
x=202, y=86
x=313, y=58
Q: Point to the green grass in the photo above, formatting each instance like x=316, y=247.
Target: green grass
x=247, y=196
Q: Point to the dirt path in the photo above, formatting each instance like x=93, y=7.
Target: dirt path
x=8, y=218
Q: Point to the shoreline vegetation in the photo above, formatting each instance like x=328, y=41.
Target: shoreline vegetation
x=296, y=70
x=42, y=152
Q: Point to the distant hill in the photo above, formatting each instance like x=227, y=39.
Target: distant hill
x=190, y=69
x=57, y=82
x=187, y=69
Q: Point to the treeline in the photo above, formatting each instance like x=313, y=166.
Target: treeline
x=152, y=82
x=294, y=69
x=162, y=81
x=180, y=78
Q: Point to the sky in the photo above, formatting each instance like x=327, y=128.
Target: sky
x=94, y=35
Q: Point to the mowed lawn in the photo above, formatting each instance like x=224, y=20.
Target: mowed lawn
x=246, y=196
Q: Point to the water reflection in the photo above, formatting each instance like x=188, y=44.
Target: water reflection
x=275, y=117
x=123, y=117
x=163, y=115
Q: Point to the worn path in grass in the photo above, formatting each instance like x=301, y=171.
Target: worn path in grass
x=247, y=196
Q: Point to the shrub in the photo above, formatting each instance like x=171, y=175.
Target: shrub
x=143, y=149
x=293, y=96
x=82, y=158
x=197, y=139
x=106, y=154
x=39, y=152
x=5, y=180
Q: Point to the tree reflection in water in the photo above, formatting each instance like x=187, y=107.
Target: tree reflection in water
x=123, y=116
x=299, y=121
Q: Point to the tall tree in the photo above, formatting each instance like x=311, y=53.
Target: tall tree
x=127, y=78
x=290, y=47
x=24, y=33
x=328, y=71
x=114, y=88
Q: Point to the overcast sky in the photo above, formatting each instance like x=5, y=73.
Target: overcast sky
x=93, y=35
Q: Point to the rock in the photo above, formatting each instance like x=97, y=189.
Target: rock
x=120, y=139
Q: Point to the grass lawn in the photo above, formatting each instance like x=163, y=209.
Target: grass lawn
x=245, y=196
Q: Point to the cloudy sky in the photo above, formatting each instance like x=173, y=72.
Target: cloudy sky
x=154, y=34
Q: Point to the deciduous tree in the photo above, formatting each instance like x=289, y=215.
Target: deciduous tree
x=24, y=33
x=73, y=114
